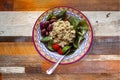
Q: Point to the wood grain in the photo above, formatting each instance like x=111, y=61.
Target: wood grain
x=15, y=39
x=27, y=60
x=12, y=70
x=85, y=67
x=0, y=76
x=36, y=64
x=103, y=76
x=18, y=55
x=105, y=45
x=34, y=5
x=20, y=60
x=21, y=23
x=6, y=5
x=20, y=46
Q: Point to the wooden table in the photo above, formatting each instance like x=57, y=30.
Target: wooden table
x=20, y=61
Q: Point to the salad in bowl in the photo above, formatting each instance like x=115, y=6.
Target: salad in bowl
x=62, y=31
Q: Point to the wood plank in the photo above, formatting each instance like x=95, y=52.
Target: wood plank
x=36, y=64
x=35, y=5
x=102, y=76
x=33, y=69
x=85, y=67
x=101, y=45
x=105, y=45
x=21, y=23
x=14, y=48
x=12, y=70
x=6, y=5
x=0, y=76
x=26, y=61
x=15, y=39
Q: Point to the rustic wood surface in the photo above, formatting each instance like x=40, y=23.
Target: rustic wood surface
x=20, y=61
x=34, y=64
x=101, y=45
x=23, y=5
x=6, y=5
x=102, y=76
x=21, y=23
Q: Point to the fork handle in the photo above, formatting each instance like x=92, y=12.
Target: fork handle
x=51, y=69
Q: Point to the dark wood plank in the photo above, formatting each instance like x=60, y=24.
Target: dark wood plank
x=15, y=39
x=29, y=38
x=91, y=5
x=61, y=77
x=0, y=76
x=106, y=45
x=33, y=69
x=20, y=5
x=89, y=64
x=24, y=45
x=6, y=5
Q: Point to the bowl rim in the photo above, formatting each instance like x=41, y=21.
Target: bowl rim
x=88, y=24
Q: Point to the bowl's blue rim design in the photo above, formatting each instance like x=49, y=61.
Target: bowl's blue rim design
x=89, y=26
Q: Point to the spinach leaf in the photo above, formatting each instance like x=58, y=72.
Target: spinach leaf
x=64, y=49
x=74, y=21
x=62, y=14
x=49, y=16
x=46, y=39
x=49, y=46
x=83, y=24
x=77, y=41
x=80, y=38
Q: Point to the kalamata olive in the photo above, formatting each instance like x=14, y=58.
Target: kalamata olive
x=41, y=25
x=47, y=33
x=50, y=27
x=43, y=32
x=46, y=23
x=52, y=20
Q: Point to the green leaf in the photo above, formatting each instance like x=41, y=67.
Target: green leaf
x=49, y=16
x=83, y=28
x=83, y=24
x=79, y=33
x=80, y=39
x=65, y=49
x=49, y=46
x=75, y=43
x=74, y=21
x=62, y=14
x=46, y=39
